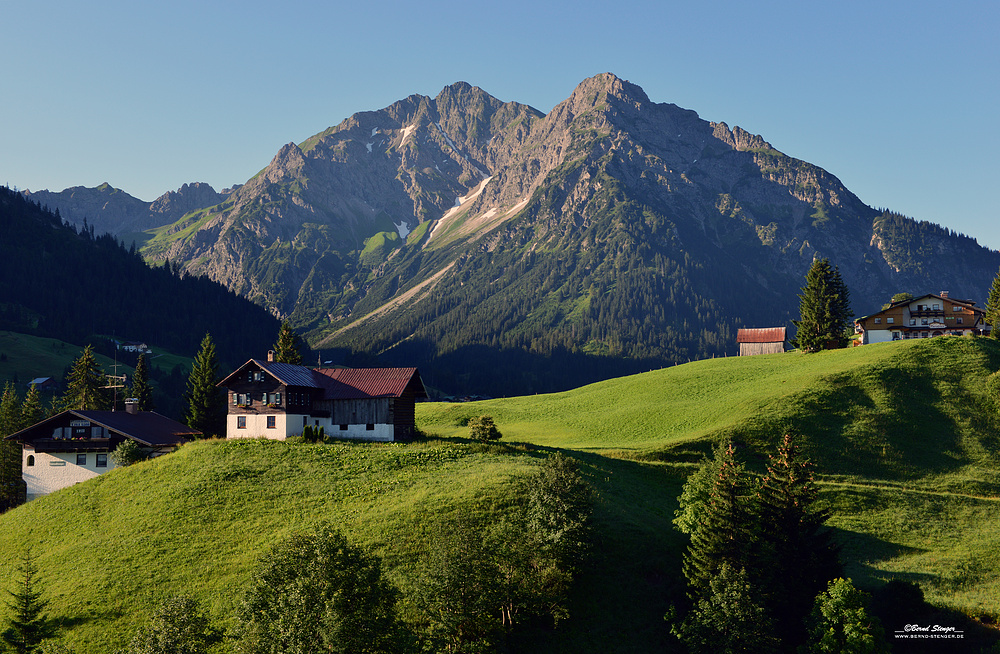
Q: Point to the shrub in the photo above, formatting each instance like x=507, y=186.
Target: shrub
x=483, y=429
x=127, y=453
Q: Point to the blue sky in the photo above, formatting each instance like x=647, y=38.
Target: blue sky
x=897, y=99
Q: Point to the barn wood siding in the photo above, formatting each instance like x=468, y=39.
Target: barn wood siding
x=750, y=349
x=358, y=412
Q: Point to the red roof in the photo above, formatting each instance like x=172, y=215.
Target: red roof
x=761, y=335
x=359, y=383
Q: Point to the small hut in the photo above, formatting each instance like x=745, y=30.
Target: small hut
x=766, y=340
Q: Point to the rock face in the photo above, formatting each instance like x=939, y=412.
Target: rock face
x=505, y=250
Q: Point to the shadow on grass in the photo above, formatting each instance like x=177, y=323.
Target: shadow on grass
x=633, y=572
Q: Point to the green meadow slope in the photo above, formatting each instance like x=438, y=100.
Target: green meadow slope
x=904, y=436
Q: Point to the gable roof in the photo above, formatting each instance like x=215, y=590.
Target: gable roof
x=970, y=305
x=761, y=335
x=340, y=383
x=145, y=427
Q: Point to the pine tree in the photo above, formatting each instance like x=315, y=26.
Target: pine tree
x=28, y=625
x=721, y=535
x=795, y=556
x=141, y=390
x=825, y=310
x=287, y=349
x=32, y=410
x=84, y=384
x=993, y=307
x=206, y=401
x=10, y=452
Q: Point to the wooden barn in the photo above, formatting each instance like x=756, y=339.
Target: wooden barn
x=765, y=340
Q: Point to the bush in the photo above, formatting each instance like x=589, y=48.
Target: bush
x=127, y=453
x=483, y=429
x=317, y=592
x=177, y=627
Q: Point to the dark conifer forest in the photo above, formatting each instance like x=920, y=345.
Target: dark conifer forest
x=76, y=286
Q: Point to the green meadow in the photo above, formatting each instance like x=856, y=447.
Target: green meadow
x=903, y=435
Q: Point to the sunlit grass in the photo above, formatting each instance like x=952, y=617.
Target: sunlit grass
x=903, y=435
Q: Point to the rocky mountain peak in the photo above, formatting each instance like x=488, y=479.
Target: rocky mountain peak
x=188, y=197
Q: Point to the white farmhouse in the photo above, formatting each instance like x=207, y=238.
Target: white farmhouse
x=74, y=446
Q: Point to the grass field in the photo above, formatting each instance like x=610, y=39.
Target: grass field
x=903, y=434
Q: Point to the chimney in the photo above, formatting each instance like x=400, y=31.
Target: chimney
x=132, y=405
x=944, y=294
x=270, y=356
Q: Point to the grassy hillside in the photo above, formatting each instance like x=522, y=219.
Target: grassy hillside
x=903, y=434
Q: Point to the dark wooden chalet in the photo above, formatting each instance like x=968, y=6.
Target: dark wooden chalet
x=277, y=400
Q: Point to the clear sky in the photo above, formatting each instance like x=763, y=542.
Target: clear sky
x=897, y=99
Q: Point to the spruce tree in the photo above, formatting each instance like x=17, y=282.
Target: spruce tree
x=825, y=310
x=84, y=384
x=10, y=452
x=794, y=555
x=721, y=535
x=28, y=625
x=206, y=401
x=287, y=349
x=32, y=410
x=993, y=307
x=141, y=390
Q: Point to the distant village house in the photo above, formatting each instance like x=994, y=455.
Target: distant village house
x=924, y=317
x=74, y=446
x=766, y=340
x=275, y=400
x=135, y=346
x=44, y=383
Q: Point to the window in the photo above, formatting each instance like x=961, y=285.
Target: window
x=956, y=308
x=878, y=321
x=890, y=320
x=102, y=460
x=923, y=321
x=31, y=460
x=937, y=307
x=959, y=321
x=895, y=336
x=241, y=422
x=271, y=422
x=370, y=426
x=81, y=459
x=913, y=321
x=277, y=399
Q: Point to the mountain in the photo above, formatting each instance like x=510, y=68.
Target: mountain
x=113, y=211
x=508, y=251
